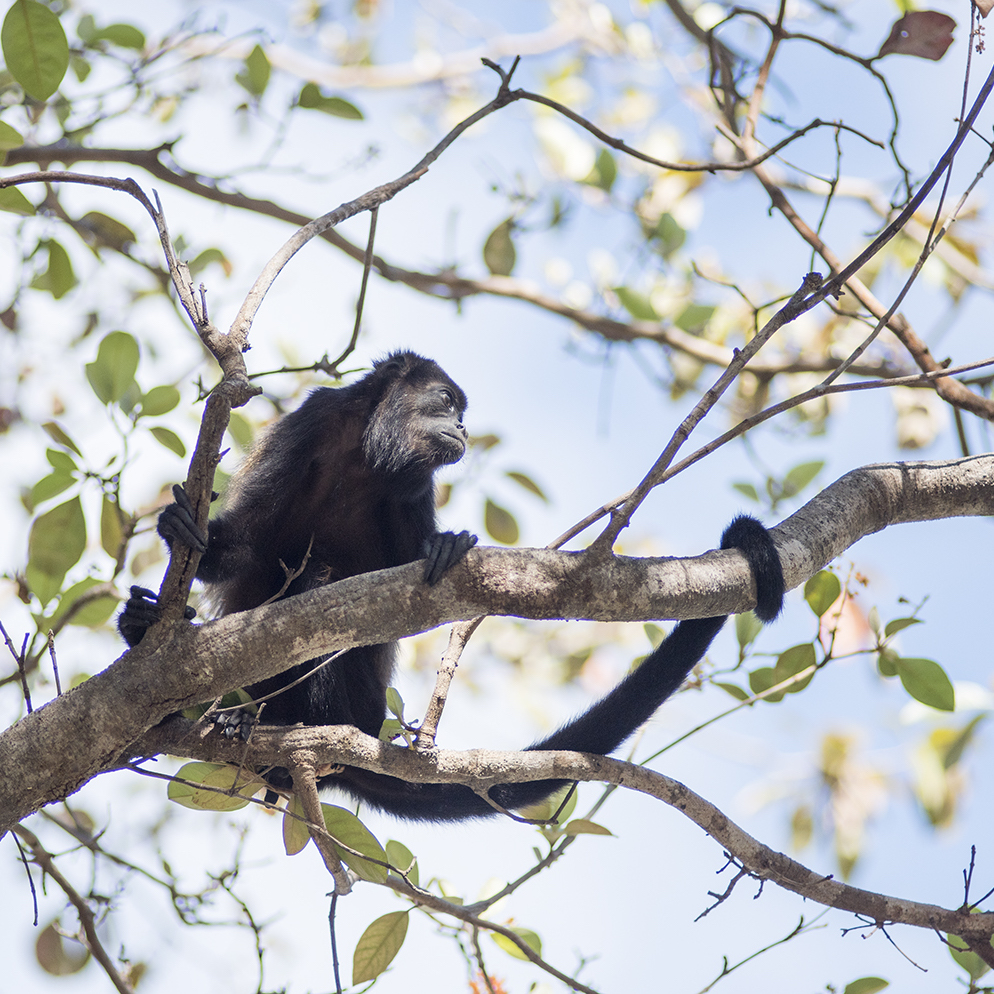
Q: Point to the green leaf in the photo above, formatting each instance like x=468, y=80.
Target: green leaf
x=378, y=945
x=954, y=753
x=390, y=729
x=218, y=776
x=899, y=624
x=35, y=48
x=887, y=660
x=822, y=591
x=498, y=250
x=57, y=434
x=528, y=483
x=966, y=958
x=800, y=476
x=111, y=527
x=311, y=98
x=170, y=440
x=113, y=371
x=59, y=278
x=669, y=235
x=106, y=231
x=122, y=35
x=159, y=400
x=793, y=661
x=208, y=256
x=636, y=304
x=55, y=544
x=48, y=487
x=736, y=691
x=762, y=679
x=747, y=490
x=403, y=859
x=295, y=833
x=926, y=681
x=654, y=634
x=14, y=202
x=60, y=461
x=500, y=523
x=347, y=829
x=530, y=938
x=545, y=810
x=747, y=627
x=395, y=703
x=582, y=826
x=9, y=137
x=604, y=173
x=92, y=615
x=866, y=985
x=255, y=77
x=694, y=317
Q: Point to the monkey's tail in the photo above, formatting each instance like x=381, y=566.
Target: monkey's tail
x=604, y=726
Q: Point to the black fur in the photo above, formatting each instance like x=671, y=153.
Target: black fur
x=350, y=476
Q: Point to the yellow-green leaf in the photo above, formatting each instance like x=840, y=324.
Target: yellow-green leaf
x=403, y=859
x=159, y=400
x=311, y=98
x=295, y=833
x=523, y=480
x=866, y=985
x=14, y=202
x=498, y=250
x=168, y=438
x=500, y=523
x=378, y=945
x=35, y=48
x=762, y=679
x=113, y=370
x=218, y=776
x=56, y=541
x=822, y=591
x=111, y=527
x=793, y=661
x=59, y=278
x=57, y=434
x=255, y=76
x=529, y=937
x=582, y=826
x=343, y=826
x=92, y=615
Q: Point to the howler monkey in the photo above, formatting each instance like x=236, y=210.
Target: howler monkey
x=344, y=485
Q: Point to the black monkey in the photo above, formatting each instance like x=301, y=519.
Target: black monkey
x=349, y=477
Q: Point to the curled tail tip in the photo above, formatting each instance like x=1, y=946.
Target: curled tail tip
x=755, y=542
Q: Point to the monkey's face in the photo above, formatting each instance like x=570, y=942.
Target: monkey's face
x=439, y=417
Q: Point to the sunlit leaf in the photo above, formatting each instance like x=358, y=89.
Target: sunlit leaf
x=57, y=434
x=582, y=826
x=694, y=317
x=529, y=937
x=92, y=615
x=255, y=76
x=378, y=945
x=105, y=230
x=636, y=304
x=747, y=627
x=123, y=35
x=926, y=681
x=35, y=48
x=747, y=490
x=762, y=679
x=866, y=985
x=800, y=476
x=966, y=958
x=56, y=542
x=295, y=833
x=113, y=371
x=208, y=256
x=347, y=829
x=311, y=98
x=395, y=703
x=500, y=523
x=159, y=400
x=899, y=624
x=736, y=691
x=403, y=859
x=822, y=591
x=169, y=439
x=218, y=776
x=528, y=483
x=793, y=661
x=111, y=527
x=14, y=202
x=498, y=250
x=59, y=278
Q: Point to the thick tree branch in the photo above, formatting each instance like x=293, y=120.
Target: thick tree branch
x=53, y=751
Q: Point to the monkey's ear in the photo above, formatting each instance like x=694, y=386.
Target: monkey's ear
x=445, y=549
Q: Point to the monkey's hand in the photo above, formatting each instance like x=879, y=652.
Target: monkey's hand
x=178, y=523
x=443, y=550
x=235, y=724
x=141, y=611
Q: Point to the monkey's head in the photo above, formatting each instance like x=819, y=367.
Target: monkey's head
x=416, y=421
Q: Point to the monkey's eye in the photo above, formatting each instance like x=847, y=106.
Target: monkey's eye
x=449, y=399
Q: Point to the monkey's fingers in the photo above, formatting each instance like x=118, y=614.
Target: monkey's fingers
x=178, y=523
x=444, y=550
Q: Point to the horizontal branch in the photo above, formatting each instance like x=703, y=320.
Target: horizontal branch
x=487, y=767
x=56, y=749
